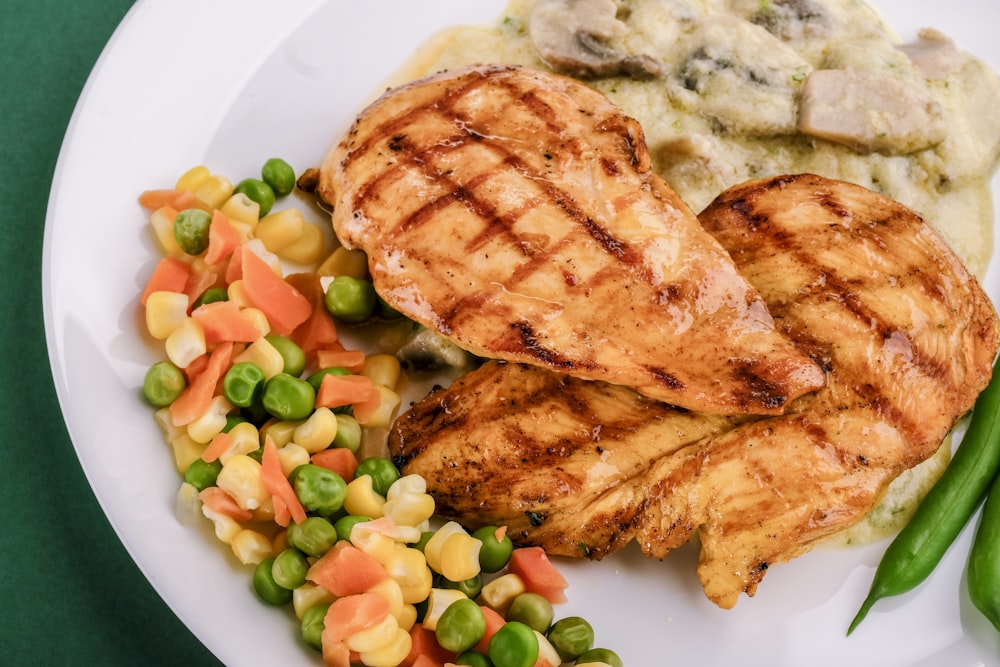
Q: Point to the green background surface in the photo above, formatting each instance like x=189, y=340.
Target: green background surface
x=69, y=591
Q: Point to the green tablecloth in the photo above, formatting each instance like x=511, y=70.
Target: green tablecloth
x=69, y=592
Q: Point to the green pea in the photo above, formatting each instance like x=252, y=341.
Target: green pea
x=425, y=537
x=604, y=655
x=163, y=383
x=289, y=569
x=191, y=230
x=243, y=384
x=471, y=587
x=312, y=625
x=257, y=455
x=292, y=355
x=350, y=299
x=387, y=312
x=201, y=474
x=348, y=433
x=514, y=645
x=258, y=191
x=266, y=587
x=288, y=397
x=279, y=175
x=316, y=379
x=531, y=609
x=345, y=524
x=571, y=636
x=473, y=659
x=313, y=537
x=382, y=471
x=461, y=626
x=495, y=553
x=211, y=295
x=320, y=490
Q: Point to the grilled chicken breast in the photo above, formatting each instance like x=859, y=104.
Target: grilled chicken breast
x=514, y=211
x=859, y=283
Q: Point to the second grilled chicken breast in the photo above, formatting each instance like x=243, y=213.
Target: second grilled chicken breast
x=859, y=282
x=515, y=212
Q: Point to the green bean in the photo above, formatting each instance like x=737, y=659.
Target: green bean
x=382, y=471
x=292, y=355
x=461, y=626
x=495, y=553
x=243, y=384
x=350, y=299
x=191, y=230
x=983, y=573
x=258, y=191
x=288, y=397
x=319, y=489
x=163, y=383
x=946, y=508
x=312, y=625
x=266, y=587
x=279, y=175
x=571, y=636
x=514, y=645
x=607, y=656
x=531, y=609
x=202, y=474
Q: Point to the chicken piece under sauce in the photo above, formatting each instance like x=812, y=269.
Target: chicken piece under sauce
x=858, y=282
x=515, y=212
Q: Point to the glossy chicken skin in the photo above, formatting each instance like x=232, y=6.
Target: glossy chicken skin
x=515, y=212
x=858, y=282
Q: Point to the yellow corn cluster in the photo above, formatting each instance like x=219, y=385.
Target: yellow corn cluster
x=211, y=189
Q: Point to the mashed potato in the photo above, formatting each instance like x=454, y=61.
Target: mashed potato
x=728, y=90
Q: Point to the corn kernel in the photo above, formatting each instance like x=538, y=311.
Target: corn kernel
x=162, y=418
x=382, y=416
x=317, y=432
x=265, y=513
x=393, y=594
x=240, y=477
x=460, y=557
x=211, y=423
x=251, y=546
x=280, y=228
x=374, y=637
x=165, y=311
x=265, y=355
x=393, y=653
x=307, y=596
x=243, y=439
x=408, y=617
x=408, y=567
x=382, y=369
x=438, y=600
x=292, y=456
x=361, y=498
x=280, y=431
x=435, y=545
x=379, y=546
x=409, y=509
x=186, y=343
x=546, y=651
x=257, y=247
x=241, y=209
x=186, y=451
x=162, y=222
x=407, y=484
x=344, y=262
x=226, y=527
x=193, y=177
x=187, y=504
x=497, y=594
x=214, y=191
x=258, y=319
x=237, y=293
x=308, y=248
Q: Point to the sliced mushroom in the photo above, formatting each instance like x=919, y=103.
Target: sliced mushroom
x=571, y=37
x=870, y=112
x=934, y=54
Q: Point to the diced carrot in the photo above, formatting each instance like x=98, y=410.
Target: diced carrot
x=195, y=399
x=198, y=282
x=319, y=330
x=338, y=459
x=283, y=305
x=363, y=410
x=278, y=485
x=346, y=570
x=170, y=275
x=234, y=268
x=542, y=662
x=339, y=390
x=336, y=654
x=221, y=502
x=223, y=320
x=424, y=643
x=195, y=368
x=494, y=621
x=178, y=199
x=216, y=448
x=223, y=238
x=539, y=574
x=345, y=617
x=352, y=360
x=426, y=661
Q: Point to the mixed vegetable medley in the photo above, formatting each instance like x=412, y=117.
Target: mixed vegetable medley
x=265, y=410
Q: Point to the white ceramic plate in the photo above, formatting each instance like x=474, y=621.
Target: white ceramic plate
x=232, y=82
